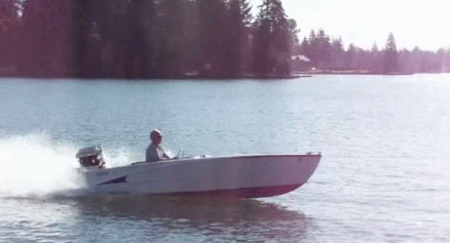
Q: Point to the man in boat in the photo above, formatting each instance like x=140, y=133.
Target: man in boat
x=154, y=152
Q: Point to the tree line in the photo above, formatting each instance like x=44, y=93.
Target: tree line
x=145, y=39
x=327, y=53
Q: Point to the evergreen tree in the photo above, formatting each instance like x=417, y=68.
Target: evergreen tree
x=237, y=42
x=101, y=36
x=337, y=55
x=313, y=49
x=304, y=47
x=191, y=50
x=293, y=32
x=350, y=57
x=213, y=39
x=135, y=49
x=84, y=63
x=390, y=61
x=170, y=26
x=375, y=59
x=9, y=31
x=272, y=40
x=323, y=51
x=45, y=43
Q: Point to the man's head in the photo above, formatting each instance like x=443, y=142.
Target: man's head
x=156, y=136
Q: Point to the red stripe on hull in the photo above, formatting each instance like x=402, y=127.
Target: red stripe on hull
x=255, y=192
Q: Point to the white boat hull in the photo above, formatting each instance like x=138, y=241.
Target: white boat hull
x=239, y=176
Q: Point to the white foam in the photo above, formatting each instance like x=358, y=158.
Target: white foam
x=36, y=166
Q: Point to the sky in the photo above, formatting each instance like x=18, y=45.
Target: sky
x=422, y=23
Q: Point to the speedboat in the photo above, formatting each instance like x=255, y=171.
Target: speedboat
x=244, y=176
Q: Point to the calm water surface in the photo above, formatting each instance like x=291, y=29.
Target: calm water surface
x=384, y=176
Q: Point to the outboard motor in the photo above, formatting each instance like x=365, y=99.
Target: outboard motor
x=91, y=157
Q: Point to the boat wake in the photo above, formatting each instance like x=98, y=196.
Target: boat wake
x=35, y=166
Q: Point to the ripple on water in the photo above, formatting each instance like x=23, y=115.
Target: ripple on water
x=384, y=176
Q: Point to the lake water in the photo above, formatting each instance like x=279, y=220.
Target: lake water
x=384, y=175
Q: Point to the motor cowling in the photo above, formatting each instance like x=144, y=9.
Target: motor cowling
x=91, y=157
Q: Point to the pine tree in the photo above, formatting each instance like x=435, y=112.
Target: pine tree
x=312, y=51
x=272, y=40
x=237, y=42
x=103, y=31
x=135, y=51
x=45, y=43
x=9, y=31
x=293, y=31
x=351, y=57
x=375, y=62
x=170, y=26
x=84, y=64
x=337, y=54
x=304, y=47
x=324, y=50
x=390, y=61
x=213, y=39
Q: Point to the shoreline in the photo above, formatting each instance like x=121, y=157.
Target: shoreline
x=352, y=72
x=196, y=77
x=294, y=75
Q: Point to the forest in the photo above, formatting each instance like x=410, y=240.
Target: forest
x=159, y=39
x=329, y=54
